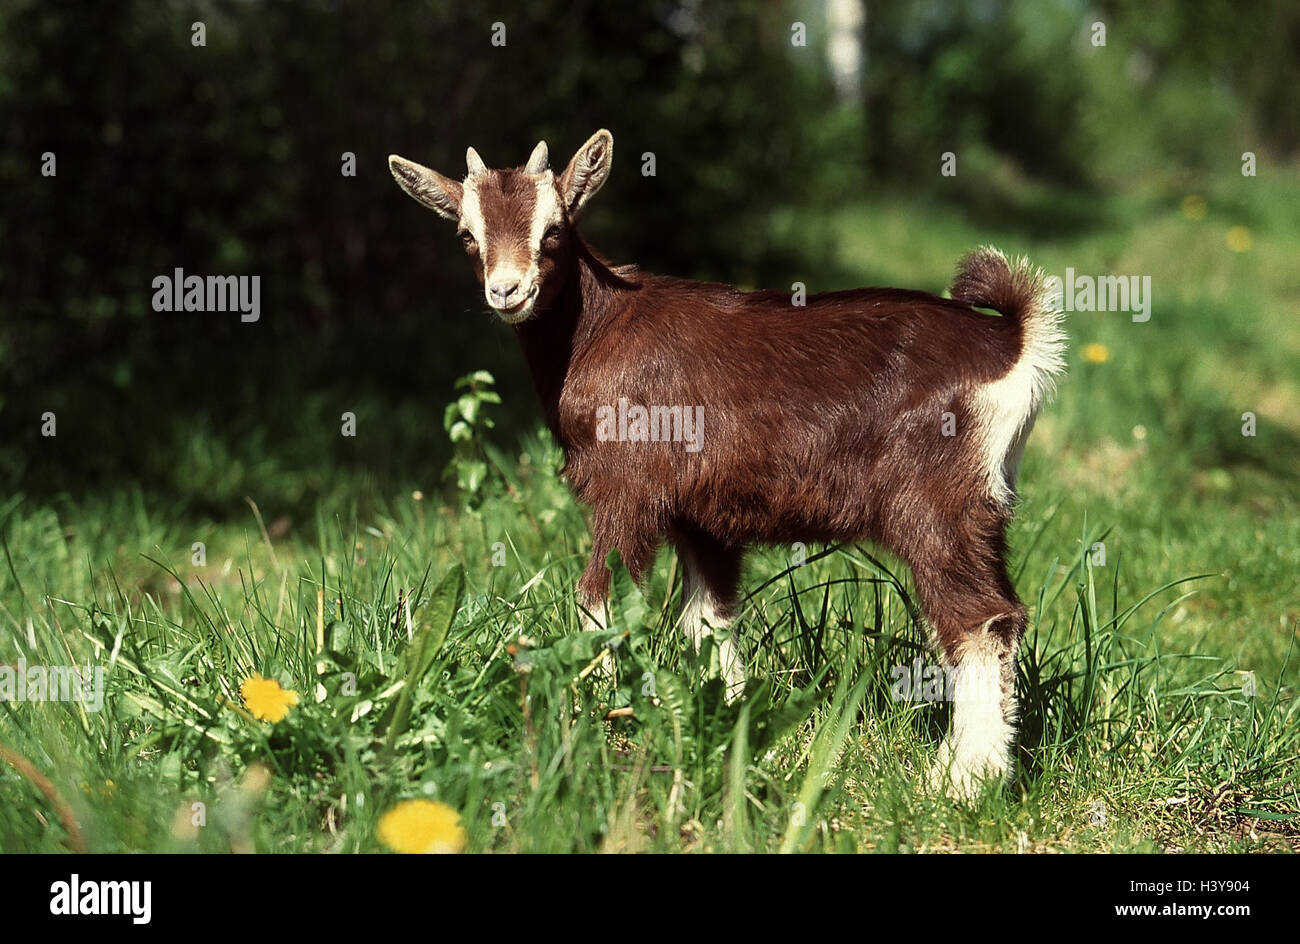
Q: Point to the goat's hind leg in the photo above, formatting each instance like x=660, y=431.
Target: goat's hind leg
x=710, y=577
x=978, y=622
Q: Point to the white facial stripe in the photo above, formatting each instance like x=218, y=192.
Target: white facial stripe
x=470, y=213
x=546, y=213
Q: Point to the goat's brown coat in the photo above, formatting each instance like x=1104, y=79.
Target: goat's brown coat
x=821, y=423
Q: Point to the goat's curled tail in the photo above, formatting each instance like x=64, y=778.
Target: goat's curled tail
x=1007, y=406
x=985, y=279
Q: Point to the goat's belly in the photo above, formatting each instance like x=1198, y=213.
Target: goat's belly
x=780, y=509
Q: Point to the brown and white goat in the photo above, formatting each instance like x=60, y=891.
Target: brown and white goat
x=882, y=414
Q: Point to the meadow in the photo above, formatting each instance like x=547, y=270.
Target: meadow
x=414, y=586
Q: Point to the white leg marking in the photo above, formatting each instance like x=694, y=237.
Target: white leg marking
x=593, y=619
x=983, y=719
x=701, y=614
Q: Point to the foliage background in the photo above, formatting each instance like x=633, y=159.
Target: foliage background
x=226, y=159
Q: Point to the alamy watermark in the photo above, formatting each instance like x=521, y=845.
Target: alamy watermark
x=632, y=422
x=1129, y=293
x=70, y=683
x=927, y=682
x=181, y=292
x=133, y=899
x=922, y=681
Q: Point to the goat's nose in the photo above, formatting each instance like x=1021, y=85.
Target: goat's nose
x=502, y=291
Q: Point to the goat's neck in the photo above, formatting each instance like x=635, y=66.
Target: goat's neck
x=551, y=339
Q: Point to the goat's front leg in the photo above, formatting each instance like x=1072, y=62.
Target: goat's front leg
x=636, y=545
x=710, y=576
x=636, y=542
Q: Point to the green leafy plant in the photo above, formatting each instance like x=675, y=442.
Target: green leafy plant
x=466, y=421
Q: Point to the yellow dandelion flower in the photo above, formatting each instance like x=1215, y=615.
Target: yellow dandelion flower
x=1238, y=239
x=422, y=826
x=266, y=700
x=1096, y=353
x=1194, y=206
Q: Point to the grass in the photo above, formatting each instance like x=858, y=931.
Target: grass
x=435, y=643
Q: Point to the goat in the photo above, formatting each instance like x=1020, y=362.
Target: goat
x=883, y=414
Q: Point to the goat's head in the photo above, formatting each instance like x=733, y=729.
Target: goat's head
x=516, y=224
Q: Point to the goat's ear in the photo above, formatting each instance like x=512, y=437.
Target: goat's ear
x=440, y=194
x=587, y=172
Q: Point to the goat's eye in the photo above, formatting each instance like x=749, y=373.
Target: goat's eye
x=552, y=237
x=467, y=238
